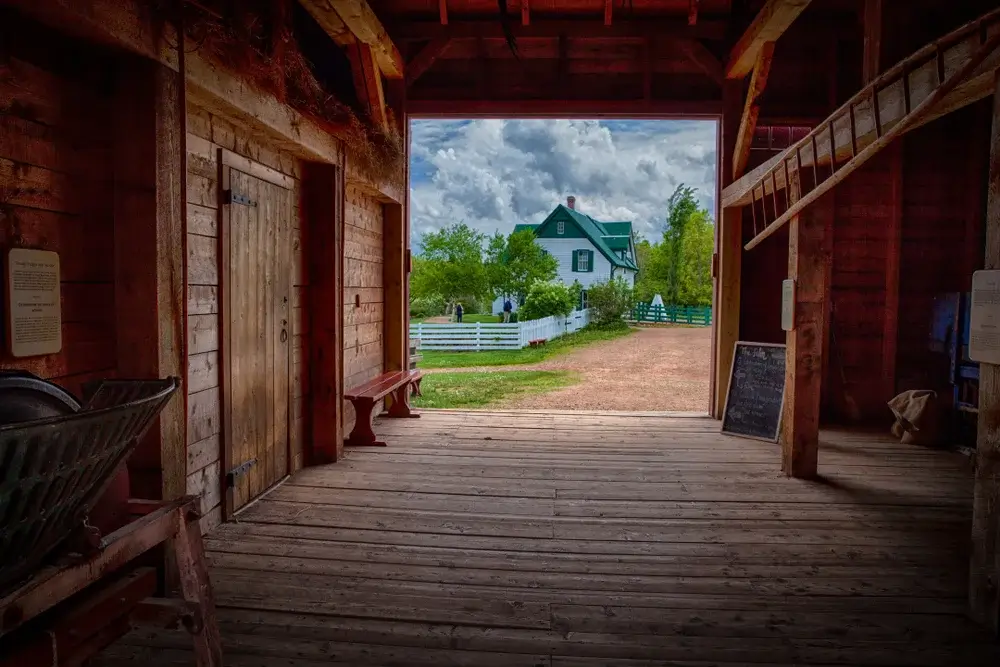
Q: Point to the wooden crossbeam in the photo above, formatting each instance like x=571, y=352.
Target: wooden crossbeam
x=426, y=57
x=368, y=82
x=578, y=28
x=699, y=54
x=751, y=110
x=769, y=24
x=362, y=24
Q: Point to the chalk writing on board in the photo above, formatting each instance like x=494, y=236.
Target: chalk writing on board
x=756, y=391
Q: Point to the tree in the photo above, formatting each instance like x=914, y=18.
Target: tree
x=450, y=264
x=547, y=299
x=514, y=263
x=609, y=302
x=680, y=207
x=695, y=274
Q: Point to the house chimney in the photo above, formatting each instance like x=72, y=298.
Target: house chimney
x=571, y=202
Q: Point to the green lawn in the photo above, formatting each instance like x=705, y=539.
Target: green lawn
x=466, y=319
x=480, y=390
x=529, y=355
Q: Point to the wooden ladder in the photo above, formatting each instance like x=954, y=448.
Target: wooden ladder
x=941, y=77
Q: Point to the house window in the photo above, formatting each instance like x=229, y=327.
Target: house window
x=582, y=261
x=561, y=227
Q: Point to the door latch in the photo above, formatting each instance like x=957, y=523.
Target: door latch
x=239, y=471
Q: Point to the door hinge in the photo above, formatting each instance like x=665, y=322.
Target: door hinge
x=236, y=198
x=239, y=471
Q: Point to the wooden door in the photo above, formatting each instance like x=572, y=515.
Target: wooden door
x=256, y=250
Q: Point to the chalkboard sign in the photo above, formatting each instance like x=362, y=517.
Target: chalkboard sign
x=756, y=391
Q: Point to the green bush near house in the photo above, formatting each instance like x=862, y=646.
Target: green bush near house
x=430, y=305
x=546, y=299
x=609, y=302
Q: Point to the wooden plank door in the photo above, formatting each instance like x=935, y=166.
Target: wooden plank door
x=256, y=249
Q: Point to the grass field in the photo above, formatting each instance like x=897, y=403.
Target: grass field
x=469, y=318
x=480, y=390
x=529, y=355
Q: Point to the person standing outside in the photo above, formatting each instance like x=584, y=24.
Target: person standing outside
x=458, y=312
x=507, y=308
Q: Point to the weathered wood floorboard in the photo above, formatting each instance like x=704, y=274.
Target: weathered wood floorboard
x=595, y=540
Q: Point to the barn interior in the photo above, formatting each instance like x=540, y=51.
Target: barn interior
x=226, y=188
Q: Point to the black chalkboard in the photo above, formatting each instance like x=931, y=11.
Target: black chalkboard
x=756, y=391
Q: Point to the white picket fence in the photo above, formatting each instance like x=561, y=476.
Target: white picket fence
x=489, y=336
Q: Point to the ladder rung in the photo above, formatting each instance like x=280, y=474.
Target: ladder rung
x=788, y=185
x=815, y=165
x=906, y=91
x=854, y=131
x=833, y=149
x=875, y=112
x=939, y=56
x=774, y=192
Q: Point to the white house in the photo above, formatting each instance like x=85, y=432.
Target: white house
x=588, y=251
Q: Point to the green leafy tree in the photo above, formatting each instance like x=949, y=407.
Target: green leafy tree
x=680, y=207
x=450, y=264
x=695, y=274
x=609, y=302
x=514, y=263
x=545, y=299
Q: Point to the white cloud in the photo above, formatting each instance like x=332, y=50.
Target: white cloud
x=493, y=174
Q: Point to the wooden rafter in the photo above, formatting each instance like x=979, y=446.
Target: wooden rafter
x=525, y=12
x=443, y=11
x=361, y=25
x=748, y=121
x=873, y=39
x=692, y=12
x=368, y=82
x=424, y=58
x=458, y=28
x=699, y=54
x=770, y=23
x=607, y=11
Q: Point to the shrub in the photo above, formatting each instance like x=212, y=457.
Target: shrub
x=547, y=299
x=427, y=306
x=609, y=302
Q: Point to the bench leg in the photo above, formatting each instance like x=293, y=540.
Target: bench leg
x=400, y=407
x=363, y=435
x=416, y=388
x=196, y=589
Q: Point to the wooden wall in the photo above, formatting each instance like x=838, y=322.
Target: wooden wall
x=207, y=133
x=363, y=294
x=56, y=193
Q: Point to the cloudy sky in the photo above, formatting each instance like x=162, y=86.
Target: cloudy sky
x=493, y=174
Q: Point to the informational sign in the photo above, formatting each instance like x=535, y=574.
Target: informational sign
x=34, y=312
x=756, y=394
x=787, y=304
x=984, y=317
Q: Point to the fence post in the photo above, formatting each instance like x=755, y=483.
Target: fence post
x=479, y=336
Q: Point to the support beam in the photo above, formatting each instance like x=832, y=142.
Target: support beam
x=809, y=259
x=443, y=11
x=323, y=208
x=394, y=282
x=368, y=82
x=893, y=251
x=699, y=54
x=525, y=12
x=728, y=260
x=149, y=262
x=359, y=19
x=872, y=58
x=770, y=23
x=984, y=570
x=580, y=28
x=487, y=108
x=607, y=11
x=692, y=12
x=426, y=57
x=748, y=122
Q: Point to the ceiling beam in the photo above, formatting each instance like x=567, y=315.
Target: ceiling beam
x=751, y=110
x=362, y=25
x=770, y=23
x=482, y=108
x=658, y=29
x=699, y=54
x=424, y=58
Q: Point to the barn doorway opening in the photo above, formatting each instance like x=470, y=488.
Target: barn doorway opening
x=563, y=264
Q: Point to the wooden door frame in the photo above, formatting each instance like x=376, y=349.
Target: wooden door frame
x=228, y=161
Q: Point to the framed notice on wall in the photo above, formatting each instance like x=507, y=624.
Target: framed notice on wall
x=33, y=308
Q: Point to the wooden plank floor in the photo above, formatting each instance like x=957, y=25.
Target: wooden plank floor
x=559, y=540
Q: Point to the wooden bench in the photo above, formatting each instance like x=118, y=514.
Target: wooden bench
x=395, y=383
x=537, y=342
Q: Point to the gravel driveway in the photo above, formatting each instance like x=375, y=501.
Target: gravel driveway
x=656, y=368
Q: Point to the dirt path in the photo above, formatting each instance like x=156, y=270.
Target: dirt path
x=653, y=369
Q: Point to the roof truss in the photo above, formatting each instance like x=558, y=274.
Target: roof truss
x=769, y=24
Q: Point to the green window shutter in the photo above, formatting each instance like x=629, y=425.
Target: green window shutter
x=590, y=261
x=576, y=261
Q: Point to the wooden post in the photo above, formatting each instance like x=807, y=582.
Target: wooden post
x=871, y=65
x=149, y=264
x=984, y=571
x=729, y=256
x=323, y=198
x=893, y=250
x=396, y=345
x=809, y=260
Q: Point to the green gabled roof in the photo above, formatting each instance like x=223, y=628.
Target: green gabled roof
x=521, y=228
x=617, y=228
x=595, y=232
